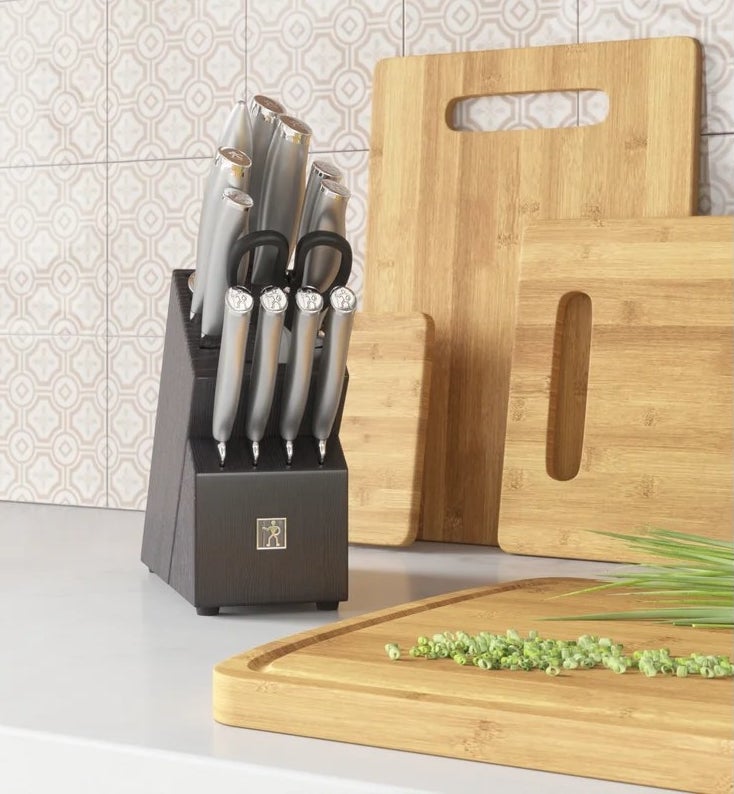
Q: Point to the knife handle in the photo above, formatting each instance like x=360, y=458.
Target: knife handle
x=232, y=217
x=230, y=168
x=273, y=303
x=308, y=303
x=264, y=112
x=248, y=243
x=339, y=322
x=328, y=214
x=320, y=170
x=237, y=130
x=283, y=184
x=238, y=303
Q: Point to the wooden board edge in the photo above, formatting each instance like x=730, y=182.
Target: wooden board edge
x=412, y=526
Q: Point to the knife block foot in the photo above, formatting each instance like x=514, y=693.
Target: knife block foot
x=241, y=535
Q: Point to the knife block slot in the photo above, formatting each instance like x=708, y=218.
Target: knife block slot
x=239, y=535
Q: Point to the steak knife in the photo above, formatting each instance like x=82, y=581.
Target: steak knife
x=330, y=382
x=308, y=304
x=273, y=303
x=238, y=305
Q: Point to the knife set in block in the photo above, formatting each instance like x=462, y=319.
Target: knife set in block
x=247, y=498
x=240, y=534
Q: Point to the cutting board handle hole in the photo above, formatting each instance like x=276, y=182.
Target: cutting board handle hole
x=528, y=111
x=569, y=386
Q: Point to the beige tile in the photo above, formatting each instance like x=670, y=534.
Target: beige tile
x=134, y=379
x=52, y=419
x=154, y=211
x=176, y=68
x=52, y=250
x=317, y=58
x=52, y=82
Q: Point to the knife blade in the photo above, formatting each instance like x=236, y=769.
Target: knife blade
x=273, y=303
x=264, y=112
x=232, y=222
x=284, y=183
x=330, y=381
x=308, y=304
x=238, y=303
x=231, y=168
x=237, y=130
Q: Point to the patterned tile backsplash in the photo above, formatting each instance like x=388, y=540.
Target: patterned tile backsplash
x=109, y=113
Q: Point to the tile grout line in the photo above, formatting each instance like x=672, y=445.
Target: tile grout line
x=402, y=45
x=578, y=41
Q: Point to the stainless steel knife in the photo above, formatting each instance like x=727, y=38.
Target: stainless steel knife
x=284, y=184
x=238, y=303
x=231, y=168
x=237, y=130
x=328, y=214
x=308, y=304
x=273, y=303
x=264, y=112
x=320, y=170
x=339, y=322
x=231, y=223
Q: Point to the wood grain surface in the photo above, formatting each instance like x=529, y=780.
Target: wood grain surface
x=447, y=209
x=383, y=430
x=623, y=420
x=336, y=682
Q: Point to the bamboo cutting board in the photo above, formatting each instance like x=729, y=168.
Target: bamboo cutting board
x=621, y=391
x=448, y=207
x=383, y=428
x=336, y=682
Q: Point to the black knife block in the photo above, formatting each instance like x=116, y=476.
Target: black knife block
x=243, y=534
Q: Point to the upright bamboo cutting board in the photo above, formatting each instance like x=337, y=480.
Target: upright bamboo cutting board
x=622, y=385
x=447, y=209
x=336, y=683
x=383, y=428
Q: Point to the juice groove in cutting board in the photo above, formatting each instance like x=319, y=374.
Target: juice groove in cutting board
x=647, y=436
x=336, y=682
x=447, y=210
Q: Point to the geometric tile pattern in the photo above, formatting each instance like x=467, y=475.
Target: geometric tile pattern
x=53, y=419
x=154, y=208
x=134, y=375
x=716, y=194
x=175, y=69
x=709, y=21
x=52, y=82
x=317, y=58
x=109, y=113
x=52, y=250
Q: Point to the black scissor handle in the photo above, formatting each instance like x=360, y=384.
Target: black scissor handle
x=313, y=240
x=248, y=243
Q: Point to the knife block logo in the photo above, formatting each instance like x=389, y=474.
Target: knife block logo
x=271, y=534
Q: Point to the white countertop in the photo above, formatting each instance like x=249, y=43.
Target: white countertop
x=105, y=671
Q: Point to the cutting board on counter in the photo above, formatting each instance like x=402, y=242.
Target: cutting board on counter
x=621, y=392
x=447, y=210
x=336, y=682
x=383, y=428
